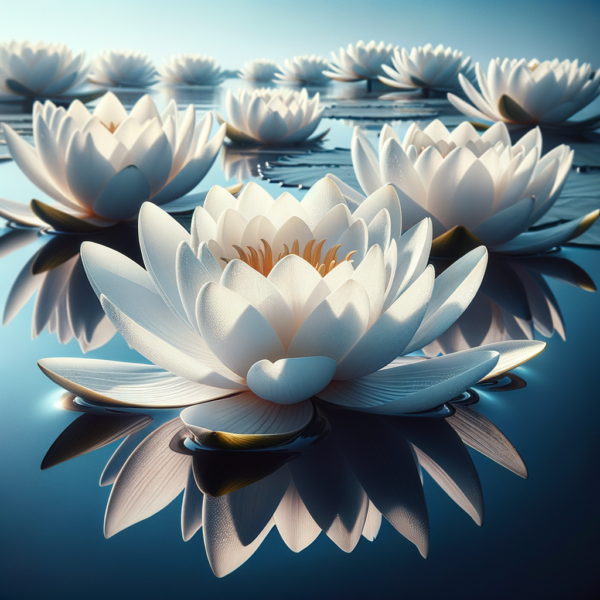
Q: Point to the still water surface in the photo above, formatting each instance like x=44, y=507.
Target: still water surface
x=539, y=534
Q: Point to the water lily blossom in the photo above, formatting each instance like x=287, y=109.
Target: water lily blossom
x=463, y=181
x=122, y=68
x=40, y=70
x=259, y=69
x=102, y=166
x=304, y=70
x=260, y=334
x=518, y=92
x=360, y=61
x=192, y=69
x=272, y=116
x=426, y=68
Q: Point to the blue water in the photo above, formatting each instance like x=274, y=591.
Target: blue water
x=538, y=539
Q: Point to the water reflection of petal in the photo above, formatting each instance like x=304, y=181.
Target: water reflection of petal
x=66, y=304
x=367, y=467
x=513, y=303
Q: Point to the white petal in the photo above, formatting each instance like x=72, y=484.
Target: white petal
x=335, y=325
x=235, y=331
x=453, y=291
x=391, y=333
x=290, y=380
x=412, y=387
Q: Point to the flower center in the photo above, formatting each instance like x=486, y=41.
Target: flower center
x=262, y=260
x=112, y=127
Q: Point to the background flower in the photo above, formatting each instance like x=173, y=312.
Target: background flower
x=306, y=70
x=484, y=184
x=122, y=68
x=259, y=69
x=268, y=116
x=40, y=70
x=521, y=92
x=192, y=69
x=102, y=166
x=426, y=68
x=362, y=61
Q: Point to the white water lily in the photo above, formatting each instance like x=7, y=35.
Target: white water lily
x=362, y=61
x=484, y=184
x=269, y=330
x=192, y=69
x=305, y=70
x=272, y=116
x=102, y=166
x=40, y=70
x=520, y=92
x=427, y=68
x=259, y=69
x=122, y=68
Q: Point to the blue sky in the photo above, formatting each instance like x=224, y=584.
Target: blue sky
x=234, y=31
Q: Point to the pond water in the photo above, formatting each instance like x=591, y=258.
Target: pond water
x=536, y=495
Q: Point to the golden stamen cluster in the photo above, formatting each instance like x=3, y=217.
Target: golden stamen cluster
x=262, y=260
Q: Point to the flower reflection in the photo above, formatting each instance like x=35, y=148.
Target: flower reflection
x=66, y=304
x=514, y=302
x=341, y=476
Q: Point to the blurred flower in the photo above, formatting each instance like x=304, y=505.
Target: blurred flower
x=521, y=92
x=259, y=69
x=363, y=61
x=40, y=70
x=192, y=69
x=102, y=166
x=285, y=321
x=427, y=68
x=340, y=484
x=272, y=116
x=122, y=68
x=484, y=185
x=305, y=70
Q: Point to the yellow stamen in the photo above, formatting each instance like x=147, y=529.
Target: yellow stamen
x=262, y=261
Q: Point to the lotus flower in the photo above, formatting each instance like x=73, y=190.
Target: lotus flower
x=426, y=68
x=267, y=116
x=40, y=70
x=520, y=92
x=283, y=322
x=300, y=491
x=305, y=70
x=260, y=69
x=102, y=166
x=363, y=61
x=122, y=68
x=484, y=185
x=192, y=69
